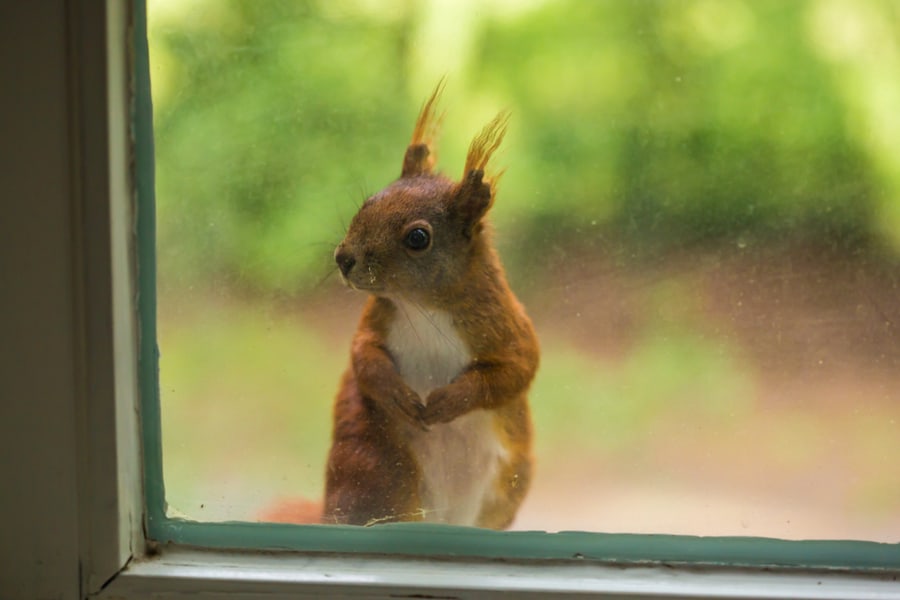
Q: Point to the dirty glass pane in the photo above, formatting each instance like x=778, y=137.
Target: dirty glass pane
x=700, y=210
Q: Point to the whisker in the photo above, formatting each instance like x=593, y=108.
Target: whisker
x=363, y=186
x=321, y=244
x=402, y=307
x=424, y=312
x=321, y=281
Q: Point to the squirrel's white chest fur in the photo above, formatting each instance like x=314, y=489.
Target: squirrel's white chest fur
x=459, y=460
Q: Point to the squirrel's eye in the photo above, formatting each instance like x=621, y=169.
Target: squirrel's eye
x=417, y=239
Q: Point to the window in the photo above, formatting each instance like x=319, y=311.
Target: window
x=697, y=231
x=97, y=532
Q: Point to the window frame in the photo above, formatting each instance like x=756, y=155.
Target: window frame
x=117, y=558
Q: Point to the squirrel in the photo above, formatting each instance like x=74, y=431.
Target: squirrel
x=431, y=422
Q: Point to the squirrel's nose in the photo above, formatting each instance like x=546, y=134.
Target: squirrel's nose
x=345, y=261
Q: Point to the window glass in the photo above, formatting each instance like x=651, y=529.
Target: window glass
x=700, y=210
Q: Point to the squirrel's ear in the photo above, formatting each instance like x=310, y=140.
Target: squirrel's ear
x=476, y=195
x=473, y=199
x=419, y=157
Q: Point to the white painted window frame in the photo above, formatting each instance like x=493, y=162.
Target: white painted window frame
x=83, y=521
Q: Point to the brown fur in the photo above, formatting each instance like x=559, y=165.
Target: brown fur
x=373, y=475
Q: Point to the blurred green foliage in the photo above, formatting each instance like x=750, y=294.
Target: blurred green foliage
x=240, y=410
x=620, y=408
x=663, y=123
x=644, y=126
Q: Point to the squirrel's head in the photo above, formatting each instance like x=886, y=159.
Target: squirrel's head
x=417, y=237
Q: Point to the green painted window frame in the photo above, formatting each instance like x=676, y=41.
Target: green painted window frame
x=413, y=539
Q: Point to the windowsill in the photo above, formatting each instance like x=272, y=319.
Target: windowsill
x=179, y=570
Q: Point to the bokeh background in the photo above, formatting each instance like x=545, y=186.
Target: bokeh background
x=701, y=211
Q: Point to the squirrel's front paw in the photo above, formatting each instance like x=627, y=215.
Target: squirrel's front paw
x=444, y=405
x=407, y=405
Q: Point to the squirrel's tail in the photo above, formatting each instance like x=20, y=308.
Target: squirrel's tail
x=296, y=511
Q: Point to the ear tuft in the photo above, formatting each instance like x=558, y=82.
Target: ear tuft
x=476, y=194
x=486, y=143
x=420, y=157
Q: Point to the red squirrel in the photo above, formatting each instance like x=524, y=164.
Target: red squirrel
x=432, y=422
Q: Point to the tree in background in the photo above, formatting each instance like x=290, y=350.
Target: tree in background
x=655, y=123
